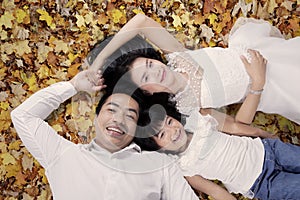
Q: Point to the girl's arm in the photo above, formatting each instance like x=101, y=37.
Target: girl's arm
x=257, y=72
x=210, y=188
x=140, y=24
x=228, y=124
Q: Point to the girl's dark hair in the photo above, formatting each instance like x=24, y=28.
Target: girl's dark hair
x=117, y=64
x=159, y=107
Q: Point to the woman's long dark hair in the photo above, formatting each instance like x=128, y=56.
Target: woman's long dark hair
x=117, y=64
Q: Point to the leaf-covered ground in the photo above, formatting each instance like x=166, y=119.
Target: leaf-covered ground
x=45, y=41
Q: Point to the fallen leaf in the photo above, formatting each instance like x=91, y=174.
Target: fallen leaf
x=6, y=19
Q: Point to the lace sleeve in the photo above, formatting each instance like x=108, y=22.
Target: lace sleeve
x=188, y=99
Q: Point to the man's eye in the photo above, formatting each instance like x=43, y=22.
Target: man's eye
x=131, y=117
x=150, y=64
x=146, y=79
x=169, y=121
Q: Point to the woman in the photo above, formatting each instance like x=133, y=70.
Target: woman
x=253, y=167
x=224, y=78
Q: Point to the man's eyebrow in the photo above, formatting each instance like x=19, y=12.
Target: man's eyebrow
x=114, y=104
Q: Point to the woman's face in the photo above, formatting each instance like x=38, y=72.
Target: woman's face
x=172, y=136
x=152, y=75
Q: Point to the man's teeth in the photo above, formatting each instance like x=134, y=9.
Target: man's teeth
x=115, y=130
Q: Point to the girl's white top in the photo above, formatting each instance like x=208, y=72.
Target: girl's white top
x=236, y=161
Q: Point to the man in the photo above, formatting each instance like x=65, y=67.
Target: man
x=110, y=166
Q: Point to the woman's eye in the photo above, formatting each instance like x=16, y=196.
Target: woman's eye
x=169, y=121
x=111, y=110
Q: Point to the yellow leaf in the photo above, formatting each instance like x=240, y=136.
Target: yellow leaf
x=89, y=17
x=3, y=35
x=212, y=18
x=3, y=147
x=4, y=105
x=6, y=19
x=84, y=124
x=61, y=46
x=22, y=16
x=43, y=51
x=17, y=89
x=73, y=69
x=12, y=170
x=57, y=127
x=5, y=120
x=46, y=17
x=272, y=6
x=72, y=57
x=7, y=48
x=43, y=72
x=80, y=21
x=185, y=18
x=176, y=21
x=7, y=158
x=137, y=11
x=3, y=72
x=22, y=47
x=42, y=173
x=117, y=15
x=15, y=145
x=31, y=81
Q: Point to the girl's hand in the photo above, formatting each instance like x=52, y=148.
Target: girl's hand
x=256, y=69
x=88, y=81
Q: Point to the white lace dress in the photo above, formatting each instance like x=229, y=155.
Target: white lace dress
x=225, y=80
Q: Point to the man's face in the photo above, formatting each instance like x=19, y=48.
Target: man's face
x=116, y=122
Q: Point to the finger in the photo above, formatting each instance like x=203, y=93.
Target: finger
x=244, y=60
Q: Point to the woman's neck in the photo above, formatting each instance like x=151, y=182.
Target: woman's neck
x=181, y=80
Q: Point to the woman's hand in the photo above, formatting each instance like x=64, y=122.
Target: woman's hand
x=256, y=69
x=88, y=80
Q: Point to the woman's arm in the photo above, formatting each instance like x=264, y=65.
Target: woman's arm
x=140, y=24
x=257, y=72
x=210, y=188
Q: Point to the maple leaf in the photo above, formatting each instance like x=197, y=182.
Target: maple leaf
x=89, y=17
x=43, y=72
x=22, y=16
x=3, y=95
x=176, y=21
x=206, y=32
x=102, y=19
x=31, y=81
x=6, y=19
x=61, y=46
x=5, y=120
x=80, y=21
x=272, y=5
x=116, y=15
x=7, y=158
x=21, y=47
x=46, y=17
x=4, y=105
x=3, y=34
x=43, y=51
x=22, y=33
x=17, y=89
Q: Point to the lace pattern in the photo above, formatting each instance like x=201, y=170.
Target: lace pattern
x=188, y=99
x=202, y=143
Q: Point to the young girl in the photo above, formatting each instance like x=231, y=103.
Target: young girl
x=253, y=167
x=219, y=72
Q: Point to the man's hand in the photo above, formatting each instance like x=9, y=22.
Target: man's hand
x=88, y=80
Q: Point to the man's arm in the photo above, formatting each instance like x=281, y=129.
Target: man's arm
x=28, y=118
x=208, y=187
x=140, y=24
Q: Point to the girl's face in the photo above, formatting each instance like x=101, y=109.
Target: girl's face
x=172, y=136
x=152, y=75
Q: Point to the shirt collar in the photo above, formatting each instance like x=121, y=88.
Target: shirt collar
x=131, y=147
